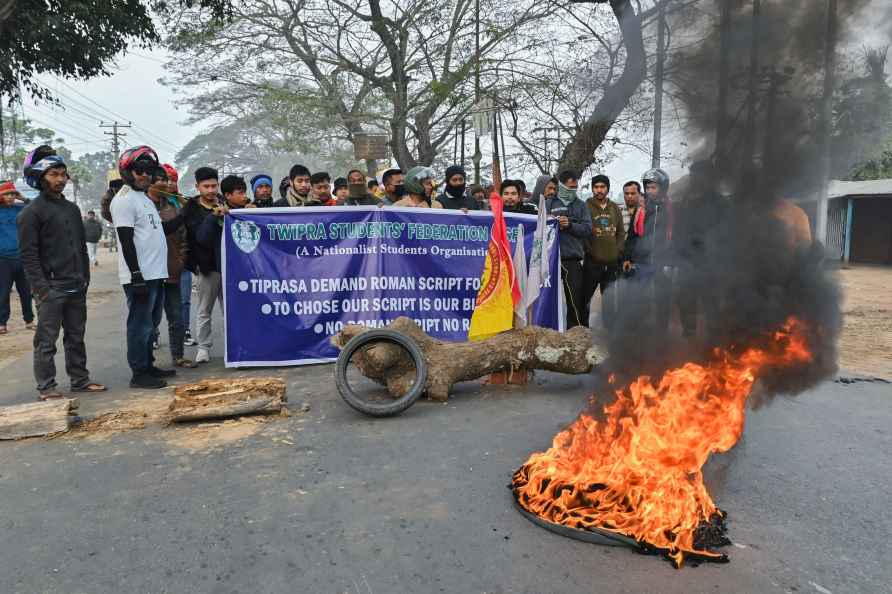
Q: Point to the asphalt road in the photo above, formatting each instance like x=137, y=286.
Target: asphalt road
x=330, y=501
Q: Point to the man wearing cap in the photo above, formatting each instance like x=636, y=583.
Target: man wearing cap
x=454, y=196
x=262, y=188
x=54, y=256
x=11, y=271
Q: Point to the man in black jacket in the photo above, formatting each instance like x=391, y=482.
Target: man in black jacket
x=54, y=256
x=455, y=196
x=92, y=233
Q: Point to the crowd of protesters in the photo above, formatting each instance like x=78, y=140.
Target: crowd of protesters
x=169, y=243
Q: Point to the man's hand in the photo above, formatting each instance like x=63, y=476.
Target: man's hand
x=564, y=222
x=250, y=206
x=220, y=211
x=139, y=287
x=627, y=266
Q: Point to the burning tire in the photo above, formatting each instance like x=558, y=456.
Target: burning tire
x=392, y=406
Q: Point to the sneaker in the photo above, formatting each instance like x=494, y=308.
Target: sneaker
x=203, y=356
x=144, y=380
x=189, y=341
x=155, y=372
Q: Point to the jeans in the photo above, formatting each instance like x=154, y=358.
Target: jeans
x=61, y=310
x=173, y=311
x=209, y=292
x=186, y=299
x=11, y=272
x=142, y=318
x=571, y=275
x=92, y=250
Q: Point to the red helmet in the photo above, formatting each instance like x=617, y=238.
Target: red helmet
x=172, y=174
x=140, y=153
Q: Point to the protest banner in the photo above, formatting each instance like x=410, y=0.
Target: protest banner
x=294, y=277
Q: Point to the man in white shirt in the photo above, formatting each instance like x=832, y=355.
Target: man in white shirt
x=142, y=262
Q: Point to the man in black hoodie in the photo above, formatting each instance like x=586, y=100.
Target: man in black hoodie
x=54, y=256
x=455, y=196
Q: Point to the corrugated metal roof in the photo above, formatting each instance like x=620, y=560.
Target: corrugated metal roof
x=878, y=187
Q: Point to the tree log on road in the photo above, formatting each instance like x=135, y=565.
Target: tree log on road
x=449, y=363
x=35, y=419
x=221, y=398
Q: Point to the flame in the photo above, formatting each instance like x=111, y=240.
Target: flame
x=637, y=471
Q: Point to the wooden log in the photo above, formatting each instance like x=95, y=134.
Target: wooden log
x=38, y=418
x=222, y=398
x=449, y=363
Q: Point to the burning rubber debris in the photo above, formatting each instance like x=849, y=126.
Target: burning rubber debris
x=637, y=472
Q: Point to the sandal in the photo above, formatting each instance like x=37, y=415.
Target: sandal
x=91, y=387
x=50, y=395
x=3, y=330
x=185, y=363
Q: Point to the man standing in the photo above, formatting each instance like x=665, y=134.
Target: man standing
x=320, y=184
x=142, y=262
x=603, y=249
x=298, y=191
x=454, y=196
x=511, y=196
x=168, y=209
x=200, y=260
x=419, y=185
x=479, y=196
x=185, y=282
x=648, y=245
x=11, y=271
x=262, y=188
x=358, y=190
x=210, y=234
x=393, y=186
x=341, y=192
x=575, y=225
x=632, y=199
x=54, y=256
x=92, y=233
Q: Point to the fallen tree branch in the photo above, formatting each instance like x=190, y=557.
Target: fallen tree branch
x=221, y=398
x=38, y=418
x=449, y=363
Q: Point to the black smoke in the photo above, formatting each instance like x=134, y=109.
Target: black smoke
x=737, y=261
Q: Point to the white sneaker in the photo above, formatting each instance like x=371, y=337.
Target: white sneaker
x=202, y=356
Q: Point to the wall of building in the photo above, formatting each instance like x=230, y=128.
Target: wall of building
x=872, y=231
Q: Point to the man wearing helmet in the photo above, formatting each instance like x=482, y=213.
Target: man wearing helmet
x=418, y=186
x=648, y=243
x=142, y=261
x=54, y=255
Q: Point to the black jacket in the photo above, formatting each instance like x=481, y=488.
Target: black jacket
x=655, y=246
x=210, y=236
x=367, y=200
x=522, y=208
x=199, y=259
x=92, y=230
x=451, y=203
x=52, y=245
x=573, y=238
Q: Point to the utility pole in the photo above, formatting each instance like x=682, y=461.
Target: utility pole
x=826, y=120
x=750, y=142
x=658, y=74
x=477, y=154
x=496, y=165
x=116, y=136
x=721, y=134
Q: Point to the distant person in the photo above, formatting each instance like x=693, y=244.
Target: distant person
x=454, y=195
x=393, y=186
x=546, y=185
x=200, y=260
x=92, y=234
x=262, y=188
x=358, y=191
x=575, y=224
x=54, y=256
x=299, y=189
x=375, y=189
x=419, y=183
x=11, y=270
x=114, y=186
x=142, y=262
x=603, y=249
x=648, y=248
x=511, y=197
x=284, y=184
x=341, y=192
x=320, y=187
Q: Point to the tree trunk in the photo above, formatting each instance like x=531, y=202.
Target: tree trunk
x=449, y=363
x=580, y=152
x=221, y=398
x=35, y=419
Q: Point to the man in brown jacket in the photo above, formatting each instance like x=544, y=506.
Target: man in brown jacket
x=168, y=209
x=603, y=249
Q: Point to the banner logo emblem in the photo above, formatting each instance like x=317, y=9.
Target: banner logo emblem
x=246, y=235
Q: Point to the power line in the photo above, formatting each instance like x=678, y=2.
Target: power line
x=54, y=127
x=116, y=136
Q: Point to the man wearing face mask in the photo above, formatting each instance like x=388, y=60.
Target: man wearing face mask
x=359, y=191
x=455, y=196
x=575, y=225
x=393, y=186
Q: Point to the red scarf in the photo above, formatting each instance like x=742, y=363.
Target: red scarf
x=638, y=222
